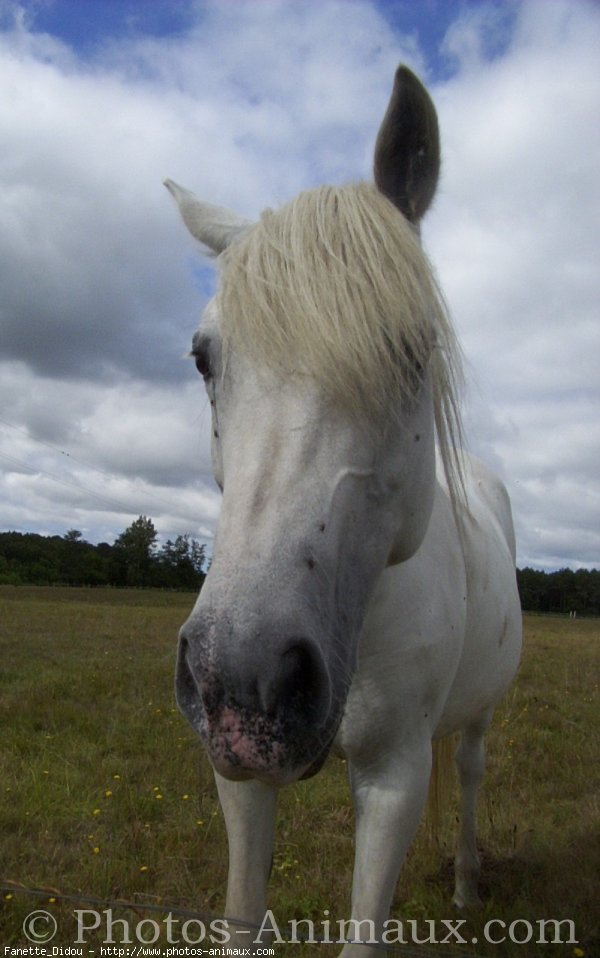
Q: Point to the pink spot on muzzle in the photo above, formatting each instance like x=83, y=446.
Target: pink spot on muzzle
x=244, y=744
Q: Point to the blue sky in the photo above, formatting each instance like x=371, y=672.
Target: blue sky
x=247, y=103
x=88, y=25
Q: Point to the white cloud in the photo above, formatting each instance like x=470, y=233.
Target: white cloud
x=94, y=457
x=515, y=238
x=253, y=103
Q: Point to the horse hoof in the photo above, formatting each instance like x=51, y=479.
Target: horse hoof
x=467, y=901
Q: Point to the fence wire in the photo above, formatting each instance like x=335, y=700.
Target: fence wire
x=404, y=951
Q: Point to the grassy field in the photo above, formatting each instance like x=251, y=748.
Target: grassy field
x=105, y=793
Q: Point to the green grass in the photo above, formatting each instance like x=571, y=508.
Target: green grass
x=104, y=791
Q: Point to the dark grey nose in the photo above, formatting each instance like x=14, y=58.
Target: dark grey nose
x=284, y=680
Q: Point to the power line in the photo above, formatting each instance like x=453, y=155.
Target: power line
x=49, y=445
x=82, y=462
x=34, y=470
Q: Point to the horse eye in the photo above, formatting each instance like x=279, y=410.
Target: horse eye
x=202, y=364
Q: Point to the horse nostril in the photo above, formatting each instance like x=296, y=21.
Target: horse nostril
x=186, y=688
x=299, y=683
x=189, y=685
x=297, y=671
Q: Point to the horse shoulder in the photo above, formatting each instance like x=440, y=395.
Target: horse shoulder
x=435, y=620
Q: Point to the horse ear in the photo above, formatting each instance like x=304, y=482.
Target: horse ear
x=407, y=151
x=214, y=226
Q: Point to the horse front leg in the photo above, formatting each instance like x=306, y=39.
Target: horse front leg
x=249, y=812
x=388, y=800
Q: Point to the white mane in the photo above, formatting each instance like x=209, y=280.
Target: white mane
x=335, y=285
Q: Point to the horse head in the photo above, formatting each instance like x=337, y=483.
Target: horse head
x=325, y=358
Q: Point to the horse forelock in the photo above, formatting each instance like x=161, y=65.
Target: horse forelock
x=335, y=285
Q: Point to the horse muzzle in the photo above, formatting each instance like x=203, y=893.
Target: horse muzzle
x=264, y=708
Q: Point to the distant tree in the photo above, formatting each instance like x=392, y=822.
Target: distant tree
x=586, y=597
x=561, y=591
x=532, y=589
x=72, y=551
x=73, y=535
x=9, y=573
x=181, y=563
x=134, y=550
x=31, y=558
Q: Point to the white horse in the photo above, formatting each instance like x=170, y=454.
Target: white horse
x=359, y=599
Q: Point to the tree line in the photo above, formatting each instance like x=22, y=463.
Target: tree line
x=134, y=559
x=563, y=591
